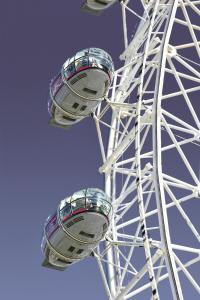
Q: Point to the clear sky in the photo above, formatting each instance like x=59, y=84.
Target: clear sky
x=40, y=165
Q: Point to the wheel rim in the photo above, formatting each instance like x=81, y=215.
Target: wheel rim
x=143, y=135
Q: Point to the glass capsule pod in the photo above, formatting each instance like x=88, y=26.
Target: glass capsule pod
x=96, y=6
x=99, y=4
x=80, y=86
x=80, y=223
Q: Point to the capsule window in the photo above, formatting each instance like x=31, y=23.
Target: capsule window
x=86, y=234
x=68, y=118
x=61, y=260
x=105, y=227
x=75, y=105
x=83, y=107
x=101, y=2
x=71, y=249
x=90, y=91
x=77, y=204
x=81, y=63
x=79, y=251
x=65, y=211
x=77, y=78
x=81, y=53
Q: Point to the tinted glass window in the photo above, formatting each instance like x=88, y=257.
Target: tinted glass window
x=95, y=62
x=92, y=192
x=106, y=63
x=71, y=248
x=66, y=210
x=70, y=70
x=68, y=118
x=91, y=202
x=79, y=251
x=93, y=92
x=85, y=61
x=83, y=107
x=78, y=195
x=77, y=204
x=75, y=105
x=51, y=225
x=81, y=63
x=81, y=53
x=86, y=234
x=105, y=207
x=97, y=198
x=65, y=65
x=97, y=52
x=78, y=64
x=71, y=60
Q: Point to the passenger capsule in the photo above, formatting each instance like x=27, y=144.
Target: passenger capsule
x=96, y=6
x=76, y=228
x=80, y=86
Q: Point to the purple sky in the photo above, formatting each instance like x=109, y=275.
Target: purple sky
x=40, y=165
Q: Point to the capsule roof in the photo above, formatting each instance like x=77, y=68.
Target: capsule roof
x=90, y=193
x=89, y=52
x=88, y=58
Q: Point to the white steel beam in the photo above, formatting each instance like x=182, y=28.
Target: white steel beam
x=158, y=179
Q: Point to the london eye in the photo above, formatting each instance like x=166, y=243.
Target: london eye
x=149, y=135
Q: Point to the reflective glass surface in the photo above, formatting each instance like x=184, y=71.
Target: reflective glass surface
x=77, y=195
x=97, y=198
x=97, y=52
x=106, y=208
x=50, y=107
x=78, y=203
x=95, y=62
x=51, y=224
x=43, y=244
x=81, y=53
x=92, y=57
x=65, y=211
x=71, y=60
x=70, y=70
x=89, y=199
x=81, y=63
x=65, y=65
x=96, y=193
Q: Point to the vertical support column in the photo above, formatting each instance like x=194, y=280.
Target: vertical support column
x=108, y=190
x=110, y=256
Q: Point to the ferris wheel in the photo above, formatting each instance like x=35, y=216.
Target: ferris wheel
x=149, y=136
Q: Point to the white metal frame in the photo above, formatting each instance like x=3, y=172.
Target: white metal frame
x=142, y=131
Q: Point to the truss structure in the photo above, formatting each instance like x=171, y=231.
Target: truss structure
x=149, y=136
